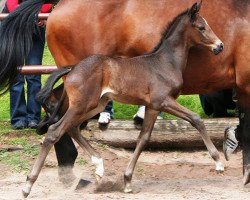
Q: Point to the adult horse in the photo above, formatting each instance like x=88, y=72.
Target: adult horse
x=77, y=29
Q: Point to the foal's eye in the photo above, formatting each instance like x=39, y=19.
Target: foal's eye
x=201, y=29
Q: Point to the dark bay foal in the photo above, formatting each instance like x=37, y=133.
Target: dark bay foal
x=154, y=80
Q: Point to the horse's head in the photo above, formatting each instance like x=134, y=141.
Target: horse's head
x=201, y=33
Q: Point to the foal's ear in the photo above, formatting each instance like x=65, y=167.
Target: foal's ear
x=194, y=10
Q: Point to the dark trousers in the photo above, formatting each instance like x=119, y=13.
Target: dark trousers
x=20, y=110
x=217, y=103
x=109, y=108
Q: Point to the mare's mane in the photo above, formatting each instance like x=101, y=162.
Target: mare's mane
x=170, y=29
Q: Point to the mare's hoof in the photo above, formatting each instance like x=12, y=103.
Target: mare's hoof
x=246, y=175
x=66, y=176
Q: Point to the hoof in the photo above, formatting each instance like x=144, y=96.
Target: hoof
x=128, y=190
x=66, y=176
x=219, y=167
x=25, y=194
x=98, y=178
x=83, y=184
x=246, y=175
x=99, y=172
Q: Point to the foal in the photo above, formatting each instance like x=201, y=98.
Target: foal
x=154, y=80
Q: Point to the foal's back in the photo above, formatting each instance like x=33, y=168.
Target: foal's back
x=128, y=80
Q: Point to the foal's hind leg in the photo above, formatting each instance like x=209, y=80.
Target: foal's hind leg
x=172, y=107
x=147, y=127
x=95, y=156
x=50, y=139
x=72, y=118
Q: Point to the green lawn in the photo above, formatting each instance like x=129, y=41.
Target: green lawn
x=121, y=111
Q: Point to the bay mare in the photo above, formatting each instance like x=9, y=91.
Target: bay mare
x=154, y=80
x=77, y=29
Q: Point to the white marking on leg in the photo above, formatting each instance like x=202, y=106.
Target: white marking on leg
x=106, y=90
x=98, y=162
x=27, y=188
x=219, y=166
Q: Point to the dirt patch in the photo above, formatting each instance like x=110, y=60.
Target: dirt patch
x=158, y=175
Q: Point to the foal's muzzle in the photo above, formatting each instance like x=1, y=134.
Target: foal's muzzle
x=218, y=48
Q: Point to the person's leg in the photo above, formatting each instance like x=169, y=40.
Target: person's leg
x=33, y=106
x=217, y=100
x=18, y=109
x=139, y=117
x=206, y=106
x=34, y=81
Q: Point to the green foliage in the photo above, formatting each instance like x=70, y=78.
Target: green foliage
x=14, y=160
x=191, y=102
x=19, y=160
x=82, y=162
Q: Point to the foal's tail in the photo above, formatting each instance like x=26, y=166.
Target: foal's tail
x=43, y=97
x=46, y=91
x=16, y=39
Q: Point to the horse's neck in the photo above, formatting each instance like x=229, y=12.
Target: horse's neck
x=175, y=49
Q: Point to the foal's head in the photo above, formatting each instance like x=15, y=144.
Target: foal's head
x=199, y=32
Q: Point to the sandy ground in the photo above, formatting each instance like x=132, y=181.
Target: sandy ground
x=158, y=175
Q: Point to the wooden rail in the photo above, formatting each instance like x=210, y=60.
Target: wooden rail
x=37, y=69
x=167, y=134
x=42, y=16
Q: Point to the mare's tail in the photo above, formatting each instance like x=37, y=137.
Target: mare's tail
x=16, y=39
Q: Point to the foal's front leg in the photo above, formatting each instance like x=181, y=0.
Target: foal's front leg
x=172, y=107
x=147, y=127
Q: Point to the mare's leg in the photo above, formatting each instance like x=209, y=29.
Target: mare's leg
x=242, y=70
x=66, y=154
x=244, y=137
x=95, y=156
x=148, y=124
x=172, y=107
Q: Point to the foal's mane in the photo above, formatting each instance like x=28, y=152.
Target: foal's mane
x=169, y=29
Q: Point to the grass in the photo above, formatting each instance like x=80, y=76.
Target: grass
x=18, y=160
